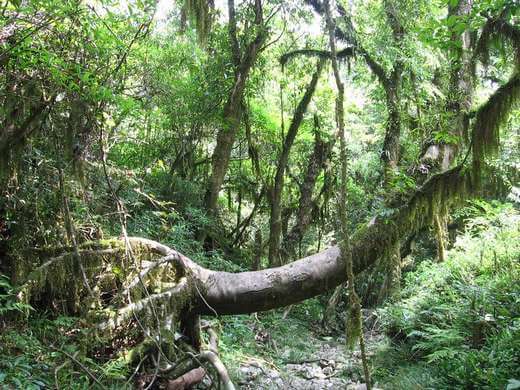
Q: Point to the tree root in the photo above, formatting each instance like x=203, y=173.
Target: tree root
x=212, y=358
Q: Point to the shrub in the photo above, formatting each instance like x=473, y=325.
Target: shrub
x=462, y=316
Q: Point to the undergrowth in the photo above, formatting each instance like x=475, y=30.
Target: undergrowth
x=457, y=324
x=56, y=354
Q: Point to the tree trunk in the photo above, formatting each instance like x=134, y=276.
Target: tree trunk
x=439, y=156
x=391, y=145
x=233, y=107
x=317, y=161
x=248, y=292
x=257, y=251
x=240, y=229
x=275, y=222
x=441, y=235
x=392, y=86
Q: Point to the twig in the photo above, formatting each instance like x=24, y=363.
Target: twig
x=81, y=365
x=56, y=374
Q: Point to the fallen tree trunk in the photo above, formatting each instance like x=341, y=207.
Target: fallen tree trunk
x=221, y=293
x=181, y=289
x=248, y=292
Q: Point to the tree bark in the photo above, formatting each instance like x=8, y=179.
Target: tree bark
x=275, y=221
x=391, y=145
x=392, y=86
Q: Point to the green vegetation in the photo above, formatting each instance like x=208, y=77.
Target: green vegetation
x=191, y=189
x=457, y=323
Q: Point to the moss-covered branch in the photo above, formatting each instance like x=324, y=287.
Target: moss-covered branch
x=342, y=54
x=490, y=117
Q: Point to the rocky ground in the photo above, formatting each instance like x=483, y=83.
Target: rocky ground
x=333, y=366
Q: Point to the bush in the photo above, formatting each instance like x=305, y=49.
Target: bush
x=462, y=316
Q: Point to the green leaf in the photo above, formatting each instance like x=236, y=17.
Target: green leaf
x=459, y=27
x=452, y=19
x=513, y=384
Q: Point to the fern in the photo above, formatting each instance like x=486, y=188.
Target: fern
x=9, y=303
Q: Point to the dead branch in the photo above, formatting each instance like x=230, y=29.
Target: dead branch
x=187, y=380
x=79, y=364
x=212, y=358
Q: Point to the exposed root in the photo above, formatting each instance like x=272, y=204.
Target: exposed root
x=212, y=358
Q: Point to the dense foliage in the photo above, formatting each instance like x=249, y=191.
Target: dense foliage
x=461, y=317
x=214, y=128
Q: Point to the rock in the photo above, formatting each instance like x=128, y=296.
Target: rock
x=357, y=386
x=328, y=371
x=360, y=386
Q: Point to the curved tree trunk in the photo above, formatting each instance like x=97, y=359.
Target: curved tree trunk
x=198, y=290
x=246, y=292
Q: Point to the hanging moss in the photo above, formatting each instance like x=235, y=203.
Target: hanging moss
x=199, y=12
x=490, y=117
x=155, y=303
x=60, y=278
x=440, y=192
x=108, y=269
x=496, y=32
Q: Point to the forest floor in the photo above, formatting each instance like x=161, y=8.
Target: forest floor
x=298, y=357
x=330, y=367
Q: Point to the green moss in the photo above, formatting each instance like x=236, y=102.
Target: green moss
x=59, y=278
x=200, y=14
x=490, y=117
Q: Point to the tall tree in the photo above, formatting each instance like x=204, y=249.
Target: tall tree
x=275, y=221
x=243, y=59
x=316, y=163
x=354, y=317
